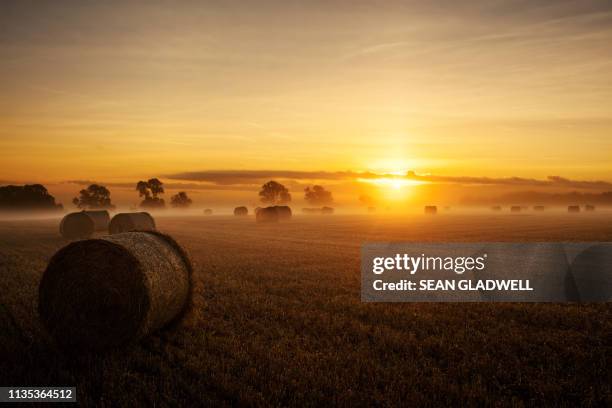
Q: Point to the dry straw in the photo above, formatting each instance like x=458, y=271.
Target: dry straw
x=126, y=222
x=83, y=224
x=102, y=293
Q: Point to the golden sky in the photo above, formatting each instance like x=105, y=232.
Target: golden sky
x=118, y=91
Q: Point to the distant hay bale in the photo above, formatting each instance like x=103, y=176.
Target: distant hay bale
x=589, y=207
x=311, y=210
x=496, y=208
x=241, y=211
x=516, y=208
x=126, y=222
x=431, y=209
x=316, y=210
x=538, y=208
x=107, y=292
x=327, y=210
x=267, y=214
x=83, y=224
x=208, y=211
x=573, y=208
x=284, y=212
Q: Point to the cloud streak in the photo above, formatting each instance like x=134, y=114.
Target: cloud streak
x=255, y=177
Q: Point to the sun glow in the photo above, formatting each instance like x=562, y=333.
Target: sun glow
x=392, y=182
x=393, y=188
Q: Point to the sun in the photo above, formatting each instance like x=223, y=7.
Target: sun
x=393, y=187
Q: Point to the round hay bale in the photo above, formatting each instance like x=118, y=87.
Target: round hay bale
x=496, y=208
x=327, y=210
x=311, y=210
x=83, y=224
x=284, y=212
x=241, y=211
x=589, y=207
x=208, y=211
x=126, y=222
x=516, y=208
x=431, y=209
x=267, y=214
x=102, y=293
x=538, y=208
x=573, y=208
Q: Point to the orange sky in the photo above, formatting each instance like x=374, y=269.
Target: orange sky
x=116, y=92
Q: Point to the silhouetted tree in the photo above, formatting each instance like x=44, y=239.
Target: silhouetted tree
x=150, y=190
x=94, y=196
x=180, y=200
x=274, y=193
x=143, y=189
x=317, y=195
x=28, y=197
x=367, y=200
x=156, y=186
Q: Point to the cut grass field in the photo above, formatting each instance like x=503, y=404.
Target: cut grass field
x=277, y=320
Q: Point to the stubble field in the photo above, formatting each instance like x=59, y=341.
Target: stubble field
x=277, y=320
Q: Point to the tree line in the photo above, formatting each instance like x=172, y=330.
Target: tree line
x=97, y=196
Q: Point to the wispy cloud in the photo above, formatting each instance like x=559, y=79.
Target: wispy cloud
x=168, y=185
x=254, y=177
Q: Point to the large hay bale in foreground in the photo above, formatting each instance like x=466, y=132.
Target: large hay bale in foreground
x=83, y=224
x=431, y=209
x=241, y=211
x=101, y=293
x=267, y=214
x=126, y=222
x=284, y=212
